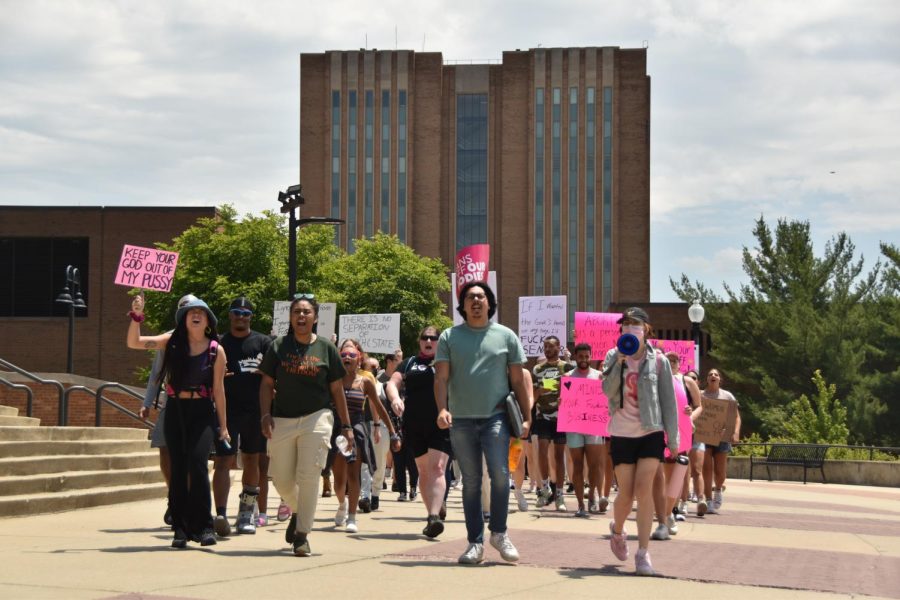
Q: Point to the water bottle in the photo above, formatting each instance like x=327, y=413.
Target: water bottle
x=516, y=447
x=343, y=446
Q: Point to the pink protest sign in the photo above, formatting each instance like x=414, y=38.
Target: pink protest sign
x=685, y=427
x=472, y=264
x=582, y=407
x=147, y=268
x=600, y=330
x=684, y=349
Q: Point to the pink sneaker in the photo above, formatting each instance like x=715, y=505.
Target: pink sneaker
x=642, y=564
x=618, y=542
x=262, y=520
x=284, y=512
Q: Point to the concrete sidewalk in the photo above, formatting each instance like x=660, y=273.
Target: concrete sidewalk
x=771, y=540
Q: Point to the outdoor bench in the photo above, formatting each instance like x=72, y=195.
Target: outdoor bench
x=808, y=456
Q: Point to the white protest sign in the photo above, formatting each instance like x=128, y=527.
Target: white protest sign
x=540, y=316
x=457, y=318
x=376, y=333
x=281, y=318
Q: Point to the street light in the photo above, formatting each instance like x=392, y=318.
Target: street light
x=71, y=297
x=291, y=199
x=695, y=314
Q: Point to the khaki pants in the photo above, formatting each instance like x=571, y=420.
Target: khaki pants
x=298, y=451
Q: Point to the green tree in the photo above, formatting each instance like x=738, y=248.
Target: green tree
x=384, y=275
x=822, y=421
x=797, y=313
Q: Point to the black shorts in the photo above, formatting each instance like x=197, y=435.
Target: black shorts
x=545, y=429
x=246, y=433
x=627, y=451
x=421, y=437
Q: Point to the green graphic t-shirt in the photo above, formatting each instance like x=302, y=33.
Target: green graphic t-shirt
x=302, y=375
x=546, y=381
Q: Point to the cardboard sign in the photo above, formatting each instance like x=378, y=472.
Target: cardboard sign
x=376, y=333
x=685, y=427
x=716, y=422
x=472, y=264
x=457, y=318
x=684, y=349
x=147, y=268
x=540, y=316
x=582, y=407
x=600, y=330
x=281, y=318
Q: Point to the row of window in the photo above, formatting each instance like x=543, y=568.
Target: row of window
x=33, y=274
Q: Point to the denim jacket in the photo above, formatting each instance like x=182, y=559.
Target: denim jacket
x=656, y=392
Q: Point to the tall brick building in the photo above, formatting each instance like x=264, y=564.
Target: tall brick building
x=544, y=155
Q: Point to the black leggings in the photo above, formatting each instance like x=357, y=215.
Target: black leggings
x=403, y=461
x=189, y=430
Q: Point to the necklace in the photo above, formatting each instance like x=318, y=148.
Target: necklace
x=300, y=347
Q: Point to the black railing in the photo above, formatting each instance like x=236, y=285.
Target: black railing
x=893, y=450
x=29, y=403
x=100, y=399
x=61, y=410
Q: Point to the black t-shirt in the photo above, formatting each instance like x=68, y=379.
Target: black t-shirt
x=418, y=378
x=242, y=377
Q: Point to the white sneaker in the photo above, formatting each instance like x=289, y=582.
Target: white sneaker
x=473, y=555
x=560, y=502
x=682, y=507
x=504, y=546
x=660, y=533
x=340, y=517
x=717, y=499
x=604, y=504
x=544, y=497
x=672, y=525
x=351, y=526
x=642, y=565
x=521, y=500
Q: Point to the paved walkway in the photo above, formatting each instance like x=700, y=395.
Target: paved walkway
x=772, y=540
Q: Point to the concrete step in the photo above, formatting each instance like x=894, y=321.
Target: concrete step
x=77, y=480
x=82, y=447
x=8, y=411
x=34, y=465
x=7, y=421
x=11, y=434
x=29, y=504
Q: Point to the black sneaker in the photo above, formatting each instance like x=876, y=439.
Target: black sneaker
x=443, y=512
x=301, y=545
x=180, y=539
x=167, y=518
x=402, y=498
x=365, y=505
x=434, y=528
x=375, y=502
x=208, y=538
x=290, y=533
x=413, y=494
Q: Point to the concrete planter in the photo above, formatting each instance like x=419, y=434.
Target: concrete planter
x=852, y=472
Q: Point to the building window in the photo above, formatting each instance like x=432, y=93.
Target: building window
x=539, y=192
x=33, y=271
x=573, y=203
x=368, y=202
x=556, y=193
x=336, y=160
x=471, y=169
x=607, y=196
x=352, y=108
x=590, y=173
x=401, y=166
x=386, y=161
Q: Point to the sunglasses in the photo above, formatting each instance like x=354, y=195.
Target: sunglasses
x=239, y=312
x=429, y=338
x=349, y=354
x=305, y=297
x=475, y=296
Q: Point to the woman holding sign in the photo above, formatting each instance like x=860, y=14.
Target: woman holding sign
x=715, y=461
x=194, y=371
x=642, y=405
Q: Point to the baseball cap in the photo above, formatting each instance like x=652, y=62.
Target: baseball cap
x=242, y=302
x=635, y=313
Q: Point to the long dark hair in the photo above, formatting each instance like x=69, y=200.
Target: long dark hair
x=315, y=307
x=178, y=351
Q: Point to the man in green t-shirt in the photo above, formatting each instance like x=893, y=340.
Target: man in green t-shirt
x=547, y=377
x=475, y=365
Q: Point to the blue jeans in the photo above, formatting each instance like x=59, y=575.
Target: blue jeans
x=472, y=438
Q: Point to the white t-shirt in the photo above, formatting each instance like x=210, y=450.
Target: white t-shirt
x=626, y=422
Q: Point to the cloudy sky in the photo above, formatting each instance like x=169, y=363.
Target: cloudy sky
x=786, y=109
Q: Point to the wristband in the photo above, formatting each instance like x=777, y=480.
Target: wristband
x=265, y=415
x=137, y=318
x=346, y=427
x=395, y=437
x=376, y=423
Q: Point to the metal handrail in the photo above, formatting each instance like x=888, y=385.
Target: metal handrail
x=99, y=398
x=61, y=418
x=29, y=404
x=871, y=449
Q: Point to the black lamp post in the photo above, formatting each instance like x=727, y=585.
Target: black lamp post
x=695, y=314
x=71, y=296
x=291, y=199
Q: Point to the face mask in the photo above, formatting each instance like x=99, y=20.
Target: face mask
x=635, y=330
